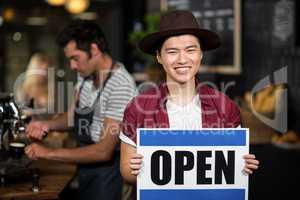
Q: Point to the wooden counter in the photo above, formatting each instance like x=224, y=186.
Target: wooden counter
x=54, y=176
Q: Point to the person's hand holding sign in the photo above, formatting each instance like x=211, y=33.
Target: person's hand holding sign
x=251, y=163
x=136, y=163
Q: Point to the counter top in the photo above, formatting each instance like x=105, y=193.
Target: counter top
x=54, y=176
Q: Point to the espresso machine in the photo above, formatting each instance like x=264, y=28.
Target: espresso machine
x=12, y=127
x=9, y=119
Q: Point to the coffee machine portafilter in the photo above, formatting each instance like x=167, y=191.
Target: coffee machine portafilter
x=10, y=119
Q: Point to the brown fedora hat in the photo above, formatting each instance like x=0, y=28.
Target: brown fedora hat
x=179, y=23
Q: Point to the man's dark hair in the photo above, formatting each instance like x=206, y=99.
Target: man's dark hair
x=84, y=33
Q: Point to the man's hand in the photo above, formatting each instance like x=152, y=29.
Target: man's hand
x=36, y=151
x=37, y=129
x=136, y=162
x=251, y=163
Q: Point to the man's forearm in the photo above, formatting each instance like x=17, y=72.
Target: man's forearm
x=99, y=152
x=126, y=173
x=88, y=154
x=127, y=152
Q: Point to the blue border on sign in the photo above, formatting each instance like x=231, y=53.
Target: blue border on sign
x=183, y=194
x=211, y=137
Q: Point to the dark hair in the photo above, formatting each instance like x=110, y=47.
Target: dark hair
x=84, y=33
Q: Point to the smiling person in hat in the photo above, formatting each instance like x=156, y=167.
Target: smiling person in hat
x=182, y=102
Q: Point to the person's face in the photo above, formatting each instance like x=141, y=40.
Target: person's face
x=79, y=60
x=181, y=57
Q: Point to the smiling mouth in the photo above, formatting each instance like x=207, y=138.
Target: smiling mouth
x=183, y=67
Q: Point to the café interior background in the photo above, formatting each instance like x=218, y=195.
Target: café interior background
x=269, y=41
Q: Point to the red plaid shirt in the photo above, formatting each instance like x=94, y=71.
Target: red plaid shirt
x=148, y=110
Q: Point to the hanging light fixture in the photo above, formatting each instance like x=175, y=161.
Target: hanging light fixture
x=9, y=14
x=56, y=2
x=77, y=6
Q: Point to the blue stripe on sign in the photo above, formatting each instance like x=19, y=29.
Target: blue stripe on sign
x=209, y=137
x=209, y=194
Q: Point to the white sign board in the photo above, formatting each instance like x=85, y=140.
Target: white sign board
x=204, y=164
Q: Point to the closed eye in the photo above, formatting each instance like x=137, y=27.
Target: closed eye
x=171, y=52
x=75, y=58
x=192, y=50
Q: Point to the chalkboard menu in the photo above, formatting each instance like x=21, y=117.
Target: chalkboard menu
x=223, y=17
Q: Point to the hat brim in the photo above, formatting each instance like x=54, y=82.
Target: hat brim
x=209, y=40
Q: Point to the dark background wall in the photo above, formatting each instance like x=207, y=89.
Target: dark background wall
x=264, y=52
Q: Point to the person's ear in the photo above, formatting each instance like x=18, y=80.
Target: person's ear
x=158, y=57
x=94, y=50
x=201, y=54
